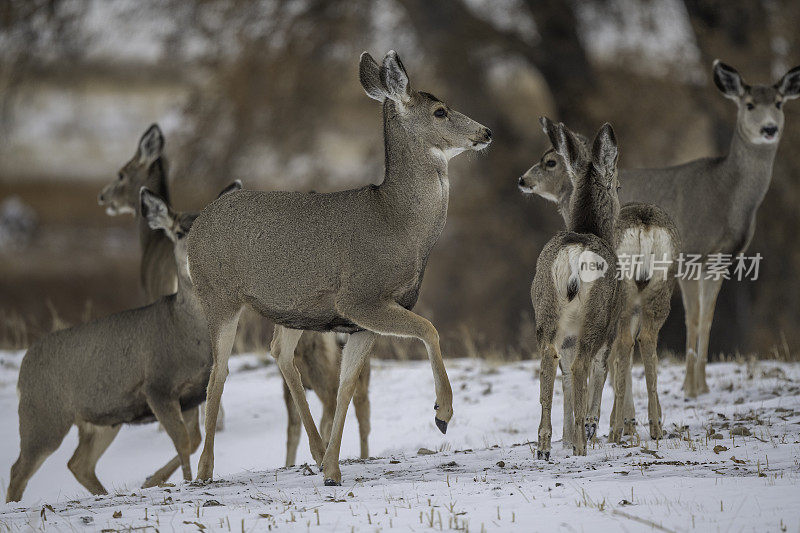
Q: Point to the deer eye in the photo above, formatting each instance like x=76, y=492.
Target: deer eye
x=550, y=164
x=120, y=175
x=778, y=104
x=440, y=113
x=180, y=234
x=750, y=106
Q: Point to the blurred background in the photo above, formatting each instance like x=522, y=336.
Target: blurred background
x=267, y=92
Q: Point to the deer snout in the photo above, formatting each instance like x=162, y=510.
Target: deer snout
x=487, y=135
x=769, y=131
x=101, y=198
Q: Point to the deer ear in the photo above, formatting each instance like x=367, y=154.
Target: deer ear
x=605, y=151
x=395, y=78
x=728, y=80
x=151, y=145
x=789, y=86
x=369, y=73
x=550, y=129
x=571, y=150
x=233, y=187
x=155, y=210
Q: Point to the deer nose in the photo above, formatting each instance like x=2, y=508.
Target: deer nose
x=487, y=133
x=100, y=198
x=521, y=181
x=769, y=130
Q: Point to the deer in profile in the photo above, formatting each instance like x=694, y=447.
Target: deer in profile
x=140, y=365
x=577, y=298
x=350, y=261
x=647, y=236
x=714, y=200
x=158, y=277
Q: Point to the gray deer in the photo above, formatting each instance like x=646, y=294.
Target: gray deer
x=714, y=200
x=577, y=298
x=645, y=234
x=317, y=356
x=349, y=261
x=130, y=367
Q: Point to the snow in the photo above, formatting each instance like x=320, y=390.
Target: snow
x=481, y=476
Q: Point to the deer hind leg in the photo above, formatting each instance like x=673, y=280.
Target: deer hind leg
x=648, y=341
x=223, y=331
x=284, y=342
x=690, y=294
x=547, y=376
x=598, y=373
x=565, y=360
x=40, y=436
x=354, y=355
x=192, y=421
x=293, y=427
x=168, y=412
x=624, y=345
x=362, y=405
x=93, y=441
x=709, y=289
x=580, y=373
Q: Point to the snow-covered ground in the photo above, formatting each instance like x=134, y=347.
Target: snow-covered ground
x=481, y=476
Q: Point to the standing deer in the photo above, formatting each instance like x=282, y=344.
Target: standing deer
x=645, y=233
x=714, y=200
x=349, y=261
x=130, y=367
x=577, y=298
x=158, y=277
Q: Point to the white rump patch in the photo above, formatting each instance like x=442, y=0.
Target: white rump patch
x=644, y=252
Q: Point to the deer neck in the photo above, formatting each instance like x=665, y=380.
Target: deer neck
x=415, y=186
x=748, y=167
x=563, y=202
x=592, y=209
x=157, y=183
x=186, y=300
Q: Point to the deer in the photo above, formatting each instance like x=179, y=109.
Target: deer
x=158, y=277
x=646, y=235
x=577, y=298
x=714, y=200
x=136, y=366
x=349, y=261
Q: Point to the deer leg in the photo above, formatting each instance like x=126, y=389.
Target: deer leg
x=580, y=373
x=690, y=294
x=709, y=289
x=547, y=376
x=597, y=379
x=168, y=412
x=393, y=319
x=362, y=405
x=93, y=441
x=648, y=341
x=354, y=355
x=293, y=426
x=223, y=332
x=284, y=342
x=565, y=363
x=192, y=420
x=40, y=436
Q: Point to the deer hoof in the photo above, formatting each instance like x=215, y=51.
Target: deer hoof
x=332, y=483
x=542, y=455
x=441, y=424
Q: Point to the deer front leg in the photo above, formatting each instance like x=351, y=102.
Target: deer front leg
x=192, y=420
x=168, y=412
x=690, y=295
x=597, y=379
x=565, y=363
x=622, y=373
x=284, y=342
x=709, y=290
x=362, y=405
x=223, y=332
x=547, y=376
x=354, y=356
x=293, y=425
x=392, y=319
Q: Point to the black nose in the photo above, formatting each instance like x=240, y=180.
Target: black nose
x=522, y=181
x=488, y=134
x=769, y=130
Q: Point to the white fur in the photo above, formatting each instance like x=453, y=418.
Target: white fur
x=565, y=269
x=649, y=244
